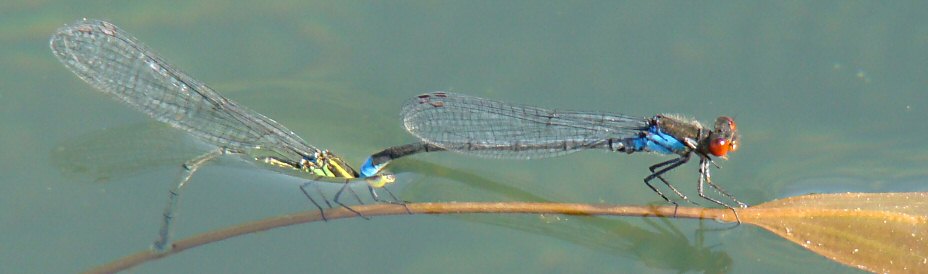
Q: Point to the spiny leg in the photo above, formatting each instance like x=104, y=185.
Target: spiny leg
x=703, y=171
x=318, y=190
x=339, y=194
x=684, y=160
x=354, y=193
x=720, y=189
x=190, y=167
x=658, y=169
x=647, y=180
x=394, y=200
x=376, y=197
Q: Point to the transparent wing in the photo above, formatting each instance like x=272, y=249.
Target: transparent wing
x=115, y=63
x=496, y=129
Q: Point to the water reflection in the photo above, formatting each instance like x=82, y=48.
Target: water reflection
x=661, y=245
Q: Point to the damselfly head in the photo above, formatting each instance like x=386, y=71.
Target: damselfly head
x=380, y=180
x=724, y=137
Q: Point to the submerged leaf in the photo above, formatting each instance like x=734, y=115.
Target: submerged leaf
x=878, y=232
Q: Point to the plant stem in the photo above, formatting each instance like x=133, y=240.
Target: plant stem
x=415, y=208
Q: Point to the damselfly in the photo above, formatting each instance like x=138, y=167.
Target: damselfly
x=115, y=63
x=482, y=127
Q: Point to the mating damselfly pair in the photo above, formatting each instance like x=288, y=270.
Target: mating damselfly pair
x=115, y=63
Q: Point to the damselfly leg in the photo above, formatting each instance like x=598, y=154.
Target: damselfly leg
x=372, y=183
x=337, y=198
x=189, y=168
x=394, y=200
x=704, y=178
x=310, y=197
x=663, y=167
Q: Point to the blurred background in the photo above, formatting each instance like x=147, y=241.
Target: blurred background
x=829, y=96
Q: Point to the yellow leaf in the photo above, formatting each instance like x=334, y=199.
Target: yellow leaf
x=877, y=232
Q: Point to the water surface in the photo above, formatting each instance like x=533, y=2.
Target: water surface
x=829, y=97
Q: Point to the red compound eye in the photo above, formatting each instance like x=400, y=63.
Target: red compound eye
x=719, y=147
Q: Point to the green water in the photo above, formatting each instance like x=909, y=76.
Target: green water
x=829, y=97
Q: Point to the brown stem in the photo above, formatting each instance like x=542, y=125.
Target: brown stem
x=415, y=208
